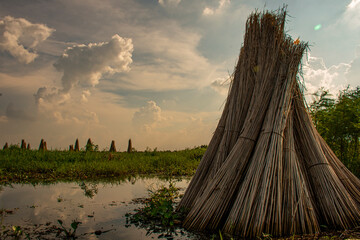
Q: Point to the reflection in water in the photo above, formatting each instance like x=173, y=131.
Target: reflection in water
x=90, y=190
x=100, y=207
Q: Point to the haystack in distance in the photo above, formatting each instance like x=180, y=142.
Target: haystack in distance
x=267, y=170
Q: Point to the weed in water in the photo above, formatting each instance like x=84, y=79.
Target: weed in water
x=158, y=215
x=69, y=233
x=16, y=232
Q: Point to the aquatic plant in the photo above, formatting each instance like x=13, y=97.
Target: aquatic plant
x=16, y=232
x=158, y=214
x=69, y=232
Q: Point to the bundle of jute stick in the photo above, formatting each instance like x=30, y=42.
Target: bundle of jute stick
x=266, y=169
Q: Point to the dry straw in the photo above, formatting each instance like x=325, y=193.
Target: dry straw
x=42, y=145
x=266, y=169
x=130, y=148
x=77, y=147
x=112, y=146
x=23, y=144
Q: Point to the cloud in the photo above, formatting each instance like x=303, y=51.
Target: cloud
x=213, y=11
x=351, y=15
x=169, y=2
x=19, y=37
x=82, y=67
x=84, y=96
x=147, y=116
x=353, y=73
x=3, y=119
x=221, y=85
x=334, y=78
x=85, y=64
x=14, y=113
x=64, y=109
x=317, y=75
x=168, y=58
x=52, y=95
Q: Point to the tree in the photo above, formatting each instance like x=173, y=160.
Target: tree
x=338, y=122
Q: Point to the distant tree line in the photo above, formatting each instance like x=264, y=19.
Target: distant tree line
x=338, y=122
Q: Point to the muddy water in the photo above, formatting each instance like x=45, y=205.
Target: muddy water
x=100, y=207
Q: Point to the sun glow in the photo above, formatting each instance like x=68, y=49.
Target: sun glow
x=353, y=4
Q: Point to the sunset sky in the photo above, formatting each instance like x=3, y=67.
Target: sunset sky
x=154, y=71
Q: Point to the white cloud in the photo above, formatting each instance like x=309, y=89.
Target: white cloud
x=146, y=117
x=354, y=4
x=51, y=95
x=169, y=2
x=82, y=66
x=334, y=78
x=19, y=37
x=351, y=16
x=85, y=64
x=353, y=73
x=84, y=96
x=208, y=11
x=212, y=11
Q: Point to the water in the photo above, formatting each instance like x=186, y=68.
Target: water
x=100, y=207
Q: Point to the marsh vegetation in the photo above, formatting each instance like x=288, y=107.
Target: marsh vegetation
x=22, y=165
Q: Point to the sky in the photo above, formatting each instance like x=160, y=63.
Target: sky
x=155, y=71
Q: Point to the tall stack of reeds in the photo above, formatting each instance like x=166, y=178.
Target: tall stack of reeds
x=77, y=147
x=112, y=146
x=23, y=144
x=130, y=149
x=266, y=169
x=42, y=145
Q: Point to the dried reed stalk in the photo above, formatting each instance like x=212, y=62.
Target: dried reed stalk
x=337, y=208
x=266, y=168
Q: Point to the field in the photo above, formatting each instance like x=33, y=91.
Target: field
x=20, y=165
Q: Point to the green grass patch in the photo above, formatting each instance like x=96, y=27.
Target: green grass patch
x=17, y=165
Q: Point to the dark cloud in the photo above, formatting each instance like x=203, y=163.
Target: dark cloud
x=185, y=100
x=12, y=112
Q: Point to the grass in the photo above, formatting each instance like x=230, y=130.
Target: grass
x=158, y=214
x=17, y=165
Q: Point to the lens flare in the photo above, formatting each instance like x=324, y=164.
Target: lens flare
x=317, y=27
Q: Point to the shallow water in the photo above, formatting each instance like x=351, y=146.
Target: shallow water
x=100, y=207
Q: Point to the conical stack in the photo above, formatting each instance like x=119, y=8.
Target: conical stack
x=266, y=169
x=77, y=147
x=112, y=146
